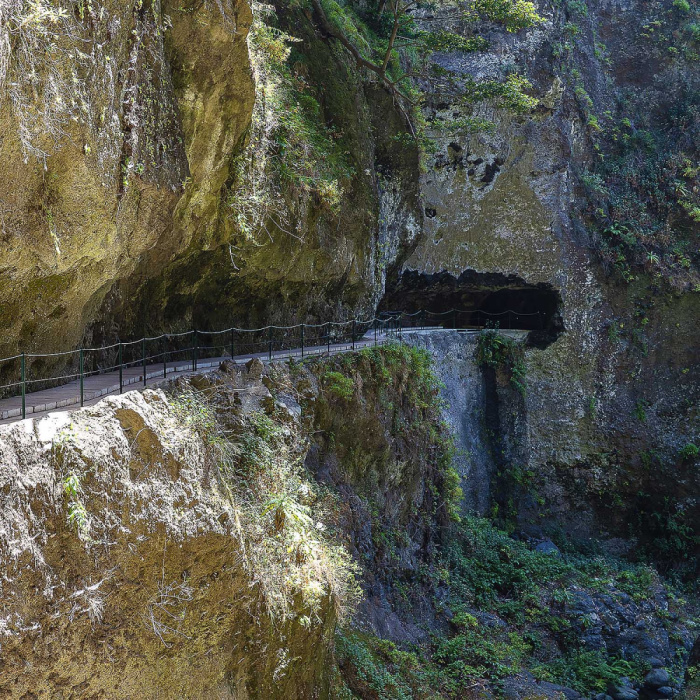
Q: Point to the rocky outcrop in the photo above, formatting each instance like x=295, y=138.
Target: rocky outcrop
x=589, y=471
x=129, y=564
x=172, y=542
x=505, y=206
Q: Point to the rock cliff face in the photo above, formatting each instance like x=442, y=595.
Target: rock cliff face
x=171, y=544
x=121, y=138
x=126, y=228
x=135, y=172
x=621, y=479
x=128, y=564
x=121, y=222
x=512, y=209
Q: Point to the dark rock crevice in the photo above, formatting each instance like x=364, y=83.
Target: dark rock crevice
x=481, y=299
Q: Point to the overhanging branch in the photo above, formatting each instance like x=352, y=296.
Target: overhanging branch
x=379, y=70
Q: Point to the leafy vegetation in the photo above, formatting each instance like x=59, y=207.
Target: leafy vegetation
x=77, y=513
x=587, y=671
x=498, y=351
x=389, y=42
x=72, y=468
x=283, y=518
x=643, y=190
x=669, y=536
x=689, y=452
x=339, y=385
x=400, y=383
x=504, y=600
x=291, y=152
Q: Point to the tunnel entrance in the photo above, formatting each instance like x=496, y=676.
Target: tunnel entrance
x=477, y=300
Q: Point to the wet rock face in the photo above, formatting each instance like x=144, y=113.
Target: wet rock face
x=465, y=393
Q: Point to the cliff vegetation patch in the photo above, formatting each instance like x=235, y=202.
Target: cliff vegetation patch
x=291, y=154
x=515, y=613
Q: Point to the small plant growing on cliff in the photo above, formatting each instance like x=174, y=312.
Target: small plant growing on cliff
x=640, y=411
x=191, y=408
x=452, y=489
x=614, y=332
x=77, y=513
x=501, y=352
x=689, y=452
x=287, y=512
x=339, y=385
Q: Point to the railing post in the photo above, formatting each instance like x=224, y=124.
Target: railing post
x=143, y=359
x=400, y=321
x=302, y=341
x=233, y=346
x=353, y=334
x=195, y=348
x=81, y=362
x=422, y=319
x=375, y=331
x=328, y=338
x=23, y=372
x=165, y=356
x=269, y=343
x=121, y=369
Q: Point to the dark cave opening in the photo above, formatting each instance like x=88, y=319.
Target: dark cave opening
x=477, y=300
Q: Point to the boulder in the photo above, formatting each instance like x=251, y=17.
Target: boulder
x=548, y=547
x=656, y=678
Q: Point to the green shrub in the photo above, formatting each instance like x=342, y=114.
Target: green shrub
x=362, y=657
x=339, y=385
x=501, y=352
x=585, y=671
x=77, y=513
x=689, y=452
x=577, y=7
x=479, y=652
x=640, y=411
x=669, y=536
x=485, y=570
x=513, y=14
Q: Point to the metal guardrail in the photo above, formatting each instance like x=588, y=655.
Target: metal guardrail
x=168, y=347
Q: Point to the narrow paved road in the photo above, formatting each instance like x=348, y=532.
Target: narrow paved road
x=67, y=396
